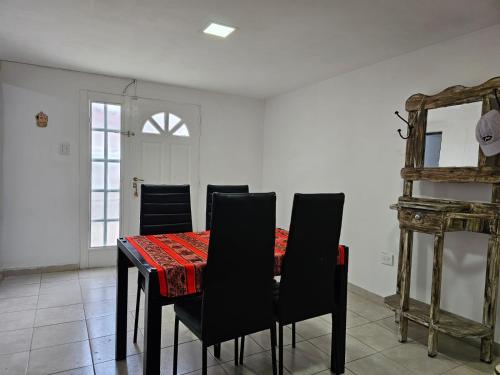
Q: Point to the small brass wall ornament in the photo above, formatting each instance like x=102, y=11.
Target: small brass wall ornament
x=42, y=119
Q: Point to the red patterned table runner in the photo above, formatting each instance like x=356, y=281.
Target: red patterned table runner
x=180, y=258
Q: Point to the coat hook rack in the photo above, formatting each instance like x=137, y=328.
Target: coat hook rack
x=410, y=127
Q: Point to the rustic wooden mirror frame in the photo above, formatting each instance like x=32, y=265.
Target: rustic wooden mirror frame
x=488, y=168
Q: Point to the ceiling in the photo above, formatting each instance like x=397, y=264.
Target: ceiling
x=280, y=45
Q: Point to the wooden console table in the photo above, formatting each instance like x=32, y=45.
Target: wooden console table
x=438, y=216
x=435, y=217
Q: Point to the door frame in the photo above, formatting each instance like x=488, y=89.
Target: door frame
x=106, y=255
x=191, y=115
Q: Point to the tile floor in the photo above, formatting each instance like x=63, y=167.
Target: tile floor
x=63, y=322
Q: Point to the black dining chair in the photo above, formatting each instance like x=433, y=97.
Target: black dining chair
x=211, y=189
x=307, y=286
x=237, y=296
x=164, y=209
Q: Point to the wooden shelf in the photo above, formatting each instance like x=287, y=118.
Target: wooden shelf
x=488, y=175
x=449, y=323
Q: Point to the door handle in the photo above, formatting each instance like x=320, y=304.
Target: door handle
x=127, y=133
x=134, y=185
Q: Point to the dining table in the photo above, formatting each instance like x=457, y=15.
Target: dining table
x=172, y=267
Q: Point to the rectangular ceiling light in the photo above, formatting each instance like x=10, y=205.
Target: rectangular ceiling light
x=219, y=30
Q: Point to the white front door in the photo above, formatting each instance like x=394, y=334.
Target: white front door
x=163, y=148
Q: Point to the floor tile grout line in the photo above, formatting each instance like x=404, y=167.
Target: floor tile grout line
x=63, y=371
x=376, y=351
x=382, y=354
x=386, y=329
x=87, y=327
x=367, y=356
x=265, y=351
x=192, y=372
x=329, y=354
x=415, y=343
x=32, y=332
x=60, y=323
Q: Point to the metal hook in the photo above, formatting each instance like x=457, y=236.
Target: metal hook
x=410, y=127
x=496, y=97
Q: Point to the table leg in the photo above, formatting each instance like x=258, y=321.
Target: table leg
x=121, y=306
x=490, y=297
x=339, y=316
x=152, y=326
x=405, y=279
x=437, y=271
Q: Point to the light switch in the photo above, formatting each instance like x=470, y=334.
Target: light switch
x=64, y=148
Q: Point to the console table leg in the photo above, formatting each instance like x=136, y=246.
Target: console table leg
x=486, y=349
x=437, y=271
x=490, y=297
x=405, y=278
x=400, y=265
x=432, y=343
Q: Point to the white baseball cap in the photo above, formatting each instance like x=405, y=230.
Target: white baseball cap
x=488, y=133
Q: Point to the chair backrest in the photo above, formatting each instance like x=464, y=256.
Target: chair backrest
x=308, y=270
x=238, y=279
x=165, y=209
x=211, y=189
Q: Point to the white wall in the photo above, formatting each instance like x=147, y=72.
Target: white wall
x=340, y=135
x=40, y=187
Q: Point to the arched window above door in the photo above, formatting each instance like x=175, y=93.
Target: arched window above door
x=165, y=123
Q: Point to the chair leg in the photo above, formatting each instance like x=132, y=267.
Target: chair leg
x=293, y=335
x=217, y=351
x=275, y=334
x=337, y=354
x=137, y=305
x=242, y=349
x=204, y=360
x=280, y=348
x=176, y=345
x=273, y=348
x=236, y=351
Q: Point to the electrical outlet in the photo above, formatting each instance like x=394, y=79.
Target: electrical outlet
x=386, y=258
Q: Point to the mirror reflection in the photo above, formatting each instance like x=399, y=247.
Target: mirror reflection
x=450, y=139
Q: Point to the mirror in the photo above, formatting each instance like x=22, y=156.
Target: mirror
x=450, y=139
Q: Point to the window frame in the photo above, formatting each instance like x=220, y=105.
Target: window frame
x=106, y=255
x=106, y=161
x=166, y=131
